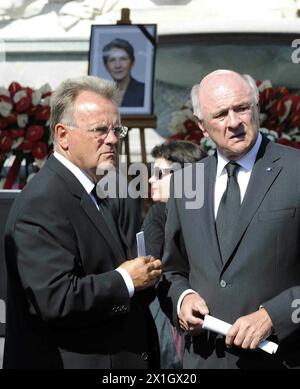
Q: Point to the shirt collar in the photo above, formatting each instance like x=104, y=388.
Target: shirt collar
x=85, y=181
x=246, y=162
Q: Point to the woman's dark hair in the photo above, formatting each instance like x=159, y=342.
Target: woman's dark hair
x=118, y=44
x=180, y=151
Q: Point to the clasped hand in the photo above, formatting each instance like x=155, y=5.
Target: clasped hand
x=144, y=271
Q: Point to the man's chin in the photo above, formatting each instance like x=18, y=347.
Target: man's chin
x=105, y=167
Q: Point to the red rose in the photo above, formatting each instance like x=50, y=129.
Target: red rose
x=39, y=150
x=177, y=136
x=26, y=145
x=266, y=96
x=271, y=123
x=295, y=119
x=278, y=108
x=6, y=99
x=43, y=113
x=195, y=137
x=23, y=104
x=34, y=133
x=190, y=125
x=6, y=141
x=3, y=123
x=17, y=133
x=28, y=92
x=282, y=91
x=288, y=142
x=14, y=87
x=12, y=118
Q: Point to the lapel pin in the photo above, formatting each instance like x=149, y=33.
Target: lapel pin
x=268, y=169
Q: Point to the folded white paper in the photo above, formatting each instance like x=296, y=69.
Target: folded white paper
x=140, y=241
x=221, y=327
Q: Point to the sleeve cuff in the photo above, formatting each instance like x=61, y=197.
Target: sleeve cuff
x=188, y=291
x=127, y=279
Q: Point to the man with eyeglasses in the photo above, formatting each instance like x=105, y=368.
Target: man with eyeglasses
x=236, y=258
x=74, y=299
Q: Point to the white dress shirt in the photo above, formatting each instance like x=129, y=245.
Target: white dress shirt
x=246, y=164
x=88, y=185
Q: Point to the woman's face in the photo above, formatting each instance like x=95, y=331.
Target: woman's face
x=118, y=64
x=160, y=180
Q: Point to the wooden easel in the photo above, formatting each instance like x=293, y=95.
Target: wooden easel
x=140, y=122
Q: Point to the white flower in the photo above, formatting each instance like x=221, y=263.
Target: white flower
x=36, y=97
x=22, y=120
x=4, y=92
x=46, y=88
x=45, y=101
x=19, y=95
x=5, y=108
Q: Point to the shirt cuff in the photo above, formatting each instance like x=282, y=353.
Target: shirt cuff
x=127, y=279
x=188, y=291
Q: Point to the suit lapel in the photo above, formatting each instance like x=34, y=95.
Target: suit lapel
x=104, y=222
x=264, y=173
x=207, y=212
x=87, y=205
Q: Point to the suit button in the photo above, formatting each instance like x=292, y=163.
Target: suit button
x=145, y=356
x=223, y=284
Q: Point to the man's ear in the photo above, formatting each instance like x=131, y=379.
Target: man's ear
x=62, y=136
x=201, y=126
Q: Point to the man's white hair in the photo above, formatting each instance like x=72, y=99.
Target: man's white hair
x=195, y=92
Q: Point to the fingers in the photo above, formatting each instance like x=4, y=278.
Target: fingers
x=192, y=310
x=248, y=331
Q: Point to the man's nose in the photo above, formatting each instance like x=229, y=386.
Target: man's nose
x=111, y=137
x=233, y=119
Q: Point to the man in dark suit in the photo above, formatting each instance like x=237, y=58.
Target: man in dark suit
x=241, y=266
x=74, y=301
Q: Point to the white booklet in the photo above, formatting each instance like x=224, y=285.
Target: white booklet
x=140, y=241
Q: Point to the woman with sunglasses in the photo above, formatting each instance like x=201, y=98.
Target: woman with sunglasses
x=168, y=157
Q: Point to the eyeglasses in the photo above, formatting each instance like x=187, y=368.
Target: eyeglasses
x=161, y=172
x=102, y=132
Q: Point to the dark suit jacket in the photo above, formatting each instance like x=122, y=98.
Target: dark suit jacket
x=134, y=95
x=67, y=307
x=263, y=267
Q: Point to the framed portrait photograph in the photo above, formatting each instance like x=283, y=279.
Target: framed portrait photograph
x=125, y=54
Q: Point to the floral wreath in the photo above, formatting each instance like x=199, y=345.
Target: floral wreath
x=25, y=141
x=279, y=118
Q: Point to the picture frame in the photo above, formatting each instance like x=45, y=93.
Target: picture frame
x=126, y=54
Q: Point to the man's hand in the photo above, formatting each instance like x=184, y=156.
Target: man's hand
x=192, y=308
x=248, y=331
x=144, y=271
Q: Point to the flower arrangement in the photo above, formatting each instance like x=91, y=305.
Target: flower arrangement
x=279, y=117
x=24, y=133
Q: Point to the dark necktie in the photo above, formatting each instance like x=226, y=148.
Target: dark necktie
x=228, y=211
x=108, y=217
x=94, y=193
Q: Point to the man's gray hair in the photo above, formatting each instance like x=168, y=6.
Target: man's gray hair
x=195, y=94
x=62, y=100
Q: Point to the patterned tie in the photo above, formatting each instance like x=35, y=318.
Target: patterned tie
x=228, y=211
